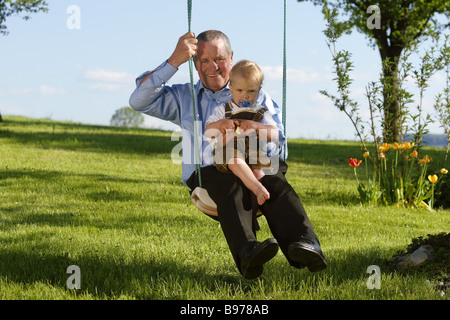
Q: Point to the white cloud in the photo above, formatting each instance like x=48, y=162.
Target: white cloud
x=103, y=75
x=22, y=92
x=301, y=74
x=439, y=78
x=43, y=90
x=50, y=91
x=109, y=80
x=314, y=116
x=106, y=87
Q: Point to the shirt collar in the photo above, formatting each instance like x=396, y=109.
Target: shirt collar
x=200, y=88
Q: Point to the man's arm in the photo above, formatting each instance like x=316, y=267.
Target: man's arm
x=146, y=77
x=185, y=49
x=151, y=95
x=147, y=93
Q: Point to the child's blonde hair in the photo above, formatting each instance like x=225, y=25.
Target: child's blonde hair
x=247, y=70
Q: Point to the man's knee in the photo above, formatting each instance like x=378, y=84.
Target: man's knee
x=222, y=186
x=277, y=185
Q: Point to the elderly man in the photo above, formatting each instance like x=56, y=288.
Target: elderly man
x=284, y=212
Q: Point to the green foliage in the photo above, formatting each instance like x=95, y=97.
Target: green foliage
x=399, y=178
x=442, y=192
x=11, y=7
x=438, y=266
x=442, y=100
x=437, y=241
x=128, y=118
x=342, y=68
x=402, y=24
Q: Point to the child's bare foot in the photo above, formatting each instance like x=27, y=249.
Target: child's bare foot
x=261, y=194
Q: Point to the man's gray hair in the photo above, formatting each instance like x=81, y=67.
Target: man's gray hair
x=210, y=35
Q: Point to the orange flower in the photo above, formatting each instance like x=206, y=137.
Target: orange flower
x=366, y=154
x=353, y=162
x=414, y=154
x=444, y=171
x=384, y=147
x=425, y=159
x=382, y=155
x=433, y=178
x=398, y=146
x=407, y=145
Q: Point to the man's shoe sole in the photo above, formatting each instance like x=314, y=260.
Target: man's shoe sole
x=268, y=250
x=253, y=273
x=312, y=259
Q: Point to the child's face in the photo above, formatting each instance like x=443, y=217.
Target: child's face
x=244, y=93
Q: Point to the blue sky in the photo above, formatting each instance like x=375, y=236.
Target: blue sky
x=48, y=70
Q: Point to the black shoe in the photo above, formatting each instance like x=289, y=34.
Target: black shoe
x=307, y=252
x=255, y=255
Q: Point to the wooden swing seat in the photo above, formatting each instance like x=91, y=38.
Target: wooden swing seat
x=204, y=203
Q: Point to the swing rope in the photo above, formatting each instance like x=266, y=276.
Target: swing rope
x=194, y=113
x=283, y=107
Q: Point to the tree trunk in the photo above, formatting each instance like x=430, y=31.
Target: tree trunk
x=391, y=128
x=390, y=57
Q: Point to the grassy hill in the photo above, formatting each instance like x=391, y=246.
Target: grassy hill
x=110, y=201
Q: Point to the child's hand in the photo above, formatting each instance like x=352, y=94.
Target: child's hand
x=227, y=130
x=226, y=125
x=249, y=126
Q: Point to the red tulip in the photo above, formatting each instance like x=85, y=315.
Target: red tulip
x=353, y=162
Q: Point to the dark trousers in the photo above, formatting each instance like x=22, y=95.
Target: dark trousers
x=286, y=217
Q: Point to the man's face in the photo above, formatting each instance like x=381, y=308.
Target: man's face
x=213, y=64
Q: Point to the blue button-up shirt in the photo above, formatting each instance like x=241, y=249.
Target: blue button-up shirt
x=174, y=103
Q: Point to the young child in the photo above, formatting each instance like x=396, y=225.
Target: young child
x=239, y=121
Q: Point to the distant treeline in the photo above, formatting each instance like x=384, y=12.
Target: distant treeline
x=432, y=140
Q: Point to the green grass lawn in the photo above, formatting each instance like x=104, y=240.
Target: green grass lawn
x=110, y=201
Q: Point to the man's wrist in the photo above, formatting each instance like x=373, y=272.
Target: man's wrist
x=173, y=62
